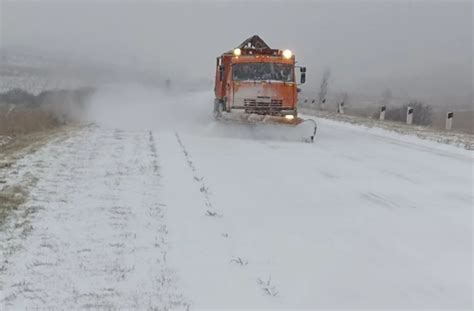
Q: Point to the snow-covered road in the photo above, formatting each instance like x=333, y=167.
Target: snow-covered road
x=354, y=220
x=209, y=217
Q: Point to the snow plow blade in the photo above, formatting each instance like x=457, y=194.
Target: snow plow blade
x=294, y=129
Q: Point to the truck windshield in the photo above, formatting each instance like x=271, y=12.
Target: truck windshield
x=262, y=72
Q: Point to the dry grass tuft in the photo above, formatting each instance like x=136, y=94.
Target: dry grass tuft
x=25, y=121
x=10, y=198
x=12, y=195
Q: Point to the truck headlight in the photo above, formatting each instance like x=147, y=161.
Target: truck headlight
x=289, y=117
x=287, y=54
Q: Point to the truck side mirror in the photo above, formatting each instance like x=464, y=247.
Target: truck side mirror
x=303, y=74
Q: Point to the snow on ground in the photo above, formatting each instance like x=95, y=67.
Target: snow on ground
x=150, y=210
x=97, y=236
x=421, y=135
x=351, y=221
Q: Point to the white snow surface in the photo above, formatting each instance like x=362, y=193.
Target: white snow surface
x=159, y=206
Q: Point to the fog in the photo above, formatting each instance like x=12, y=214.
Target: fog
x=415, y=48
x=134, y=107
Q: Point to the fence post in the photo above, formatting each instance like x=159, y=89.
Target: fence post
x=409, y=115
x=449, y=120
x=382, y=113
x=340, y=108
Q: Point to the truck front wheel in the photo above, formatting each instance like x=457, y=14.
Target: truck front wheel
x=218, y=108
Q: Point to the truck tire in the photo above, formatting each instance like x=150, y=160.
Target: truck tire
x=218, y=108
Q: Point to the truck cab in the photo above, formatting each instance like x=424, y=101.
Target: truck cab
x=255, y=79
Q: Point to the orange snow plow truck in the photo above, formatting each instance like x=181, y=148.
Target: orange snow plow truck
x=257, y=84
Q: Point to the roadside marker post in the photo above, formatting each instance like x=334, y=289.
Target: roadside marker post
x=322, y=104
x=382, y=113
x=449, y=120
x=340, y=108
x=409, y=115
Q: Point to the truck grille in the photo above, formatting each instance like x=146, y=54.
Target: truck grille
x=263, y=102
x=263, y=105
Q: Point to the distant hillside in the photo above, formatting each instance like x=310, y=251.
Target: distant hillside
x=35, y=70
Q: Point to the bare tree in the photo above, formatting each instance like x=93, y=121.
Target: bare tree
x=422, y=113
x=345, y=98
x=323, y=89
x=386, y=97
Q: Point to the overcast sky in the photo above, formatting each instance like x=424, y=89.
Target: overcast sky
x=362, y=42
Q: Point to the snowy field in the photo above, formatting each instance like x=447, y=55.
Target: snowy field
x=159, y=206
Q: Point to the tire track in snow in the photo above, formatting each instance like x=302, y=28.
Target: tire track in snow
x=267, y=287
x=101, y=238
x=204, y=189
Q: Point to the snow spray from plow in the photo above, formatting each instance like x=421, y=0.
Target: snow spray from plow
x=136, y=107
x=296, y=129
